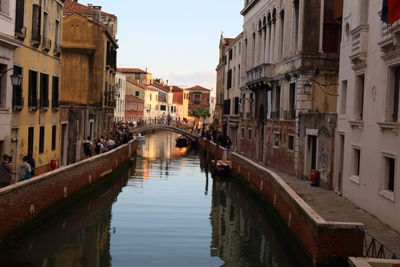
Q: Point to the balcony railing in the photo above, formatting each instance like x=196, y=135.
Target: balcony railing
x=259, y=73
x=390, y=36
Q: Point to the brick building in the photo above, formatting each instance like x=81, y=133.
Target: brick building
x=199, y=98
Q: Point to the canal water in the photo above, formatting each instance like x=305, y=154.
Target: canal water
x=164, y=209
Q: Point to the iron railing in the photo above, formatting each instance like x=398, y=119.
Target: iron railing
x=375, y=249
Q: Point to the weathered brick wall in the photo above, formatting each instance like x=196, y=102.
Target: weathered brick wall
x=21, y=202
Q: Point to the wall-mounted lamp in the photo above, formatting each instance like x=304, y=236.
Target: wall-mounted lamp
x=329, y=89
x=16, y=78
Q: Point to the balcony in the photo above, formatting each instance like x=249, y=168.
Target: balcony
x=259, y=75
x=359, y=45
x=289, y=115
x=390, y=37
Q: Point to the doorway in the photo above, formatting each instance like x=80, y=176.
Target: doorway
x=341, y=163
x=311, y=152
x=64, y=143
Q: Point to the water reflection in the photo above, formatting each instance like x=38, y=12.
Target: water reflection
x=164, y=215
x=242, y=232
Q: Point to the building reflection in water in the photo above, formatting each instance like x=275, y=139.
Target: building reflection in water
x=79, y=236
x=242, y=232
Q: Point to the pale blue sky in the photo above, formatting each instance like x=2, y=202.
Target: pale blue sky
x=177, y=40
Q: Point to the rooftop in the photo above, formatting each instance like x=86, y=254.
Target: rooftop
x=73, y=7
x=198, y=88
x=132, y=70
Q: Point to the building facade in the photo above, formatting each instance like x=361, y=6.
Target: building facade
x=35, y=121
x=367, y=135
x=199, y=98
x=291, y=61
x=133, y=109
x=181, y=101
x=232, y=90
x=120, y=92
x=8, y=44
x=88, y=95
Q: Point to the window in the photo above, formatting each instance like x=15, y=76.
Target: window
x=390, y=172
x=282, y=33
x=343, y=97
x=57, y=49
x=242, y=133
x=249, y=131
x=230, y=54
x=392, y=98
x=356, y=161
x=32, y=94
x=236, y=103
x=277, y=106
x=3, y=85
x=137, y=93
x=292, y=101
x=19, y=16
x=227, y=107
x=45, y=27
x=44, y=90
x=36, y=21
x=163, y=107
x=359, y=98
x=31, y=135
x=291, y=142
x=17, y=90
x=54, y=137
x=41, y=139
x=197, y=98
x=295, y=34
x=276, y=139
x=229, y=80
x=55, y=99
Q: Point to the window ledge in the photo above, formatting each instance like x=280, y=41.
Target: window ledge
x=5, y=15
x=394, y=126
x=356, y=124
x=387, y=194
x=355, y=179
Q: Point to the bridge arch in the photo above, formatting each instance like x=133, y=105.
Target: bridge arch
x=155, y=127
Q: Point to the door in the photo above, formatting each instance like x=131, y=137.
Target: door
x=64, y=143
x=311, y=155
x=341, y=161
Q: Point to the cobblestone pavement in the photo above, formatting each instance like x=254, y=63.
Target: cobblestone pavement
x=333, y=207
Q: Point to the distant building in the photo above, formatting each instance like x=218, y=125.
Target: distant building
x=181, y=101
x=137, y=76
x=165, y=99
x=134, y=107
x=367, y=148
x=120, y=93
x=221, y=76
x=199, y=98
x=89, y=68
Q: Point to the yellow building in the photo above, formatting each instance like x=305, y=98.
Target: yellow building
x=89, y=67
x=35, y=126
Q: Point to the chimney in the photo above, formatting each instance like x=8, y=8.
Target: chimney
x=96, y=14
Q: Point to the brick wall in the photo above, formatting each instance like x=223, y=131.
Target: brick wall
x=21, y=202
x=319, y=238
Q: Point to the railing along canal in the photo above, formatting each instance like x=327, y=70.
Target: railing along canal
x=375, y=249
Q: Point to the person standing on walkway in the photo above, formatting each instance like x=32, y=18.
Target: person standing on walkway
x=31, y=162
x=87, y=147
x=5, y=172
x=24, y=170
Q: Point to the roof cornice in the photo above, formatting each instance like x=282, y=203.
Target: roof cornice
x=249, y=6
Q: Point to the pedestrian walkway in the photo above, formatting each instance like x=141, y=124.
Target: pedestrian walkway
x=333, y=207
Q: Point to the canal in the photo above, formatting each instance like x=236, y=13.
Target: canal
x=164, y=209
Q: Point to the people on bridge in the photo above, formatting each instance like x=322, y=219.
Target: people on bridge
x=31, y=162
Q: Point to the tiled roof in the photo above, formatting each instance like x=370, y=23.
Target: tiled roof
x=131, y=97
x=198, y=88
x=176, y=88
x=160, y=86
x=73, y=7
x=131, y=70
x=141, y=86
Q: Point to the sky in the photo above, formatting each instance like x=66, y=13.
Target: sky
x=176, y=40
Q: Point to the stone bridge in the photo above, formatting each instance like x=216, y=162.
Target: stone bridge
x=180, y=129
